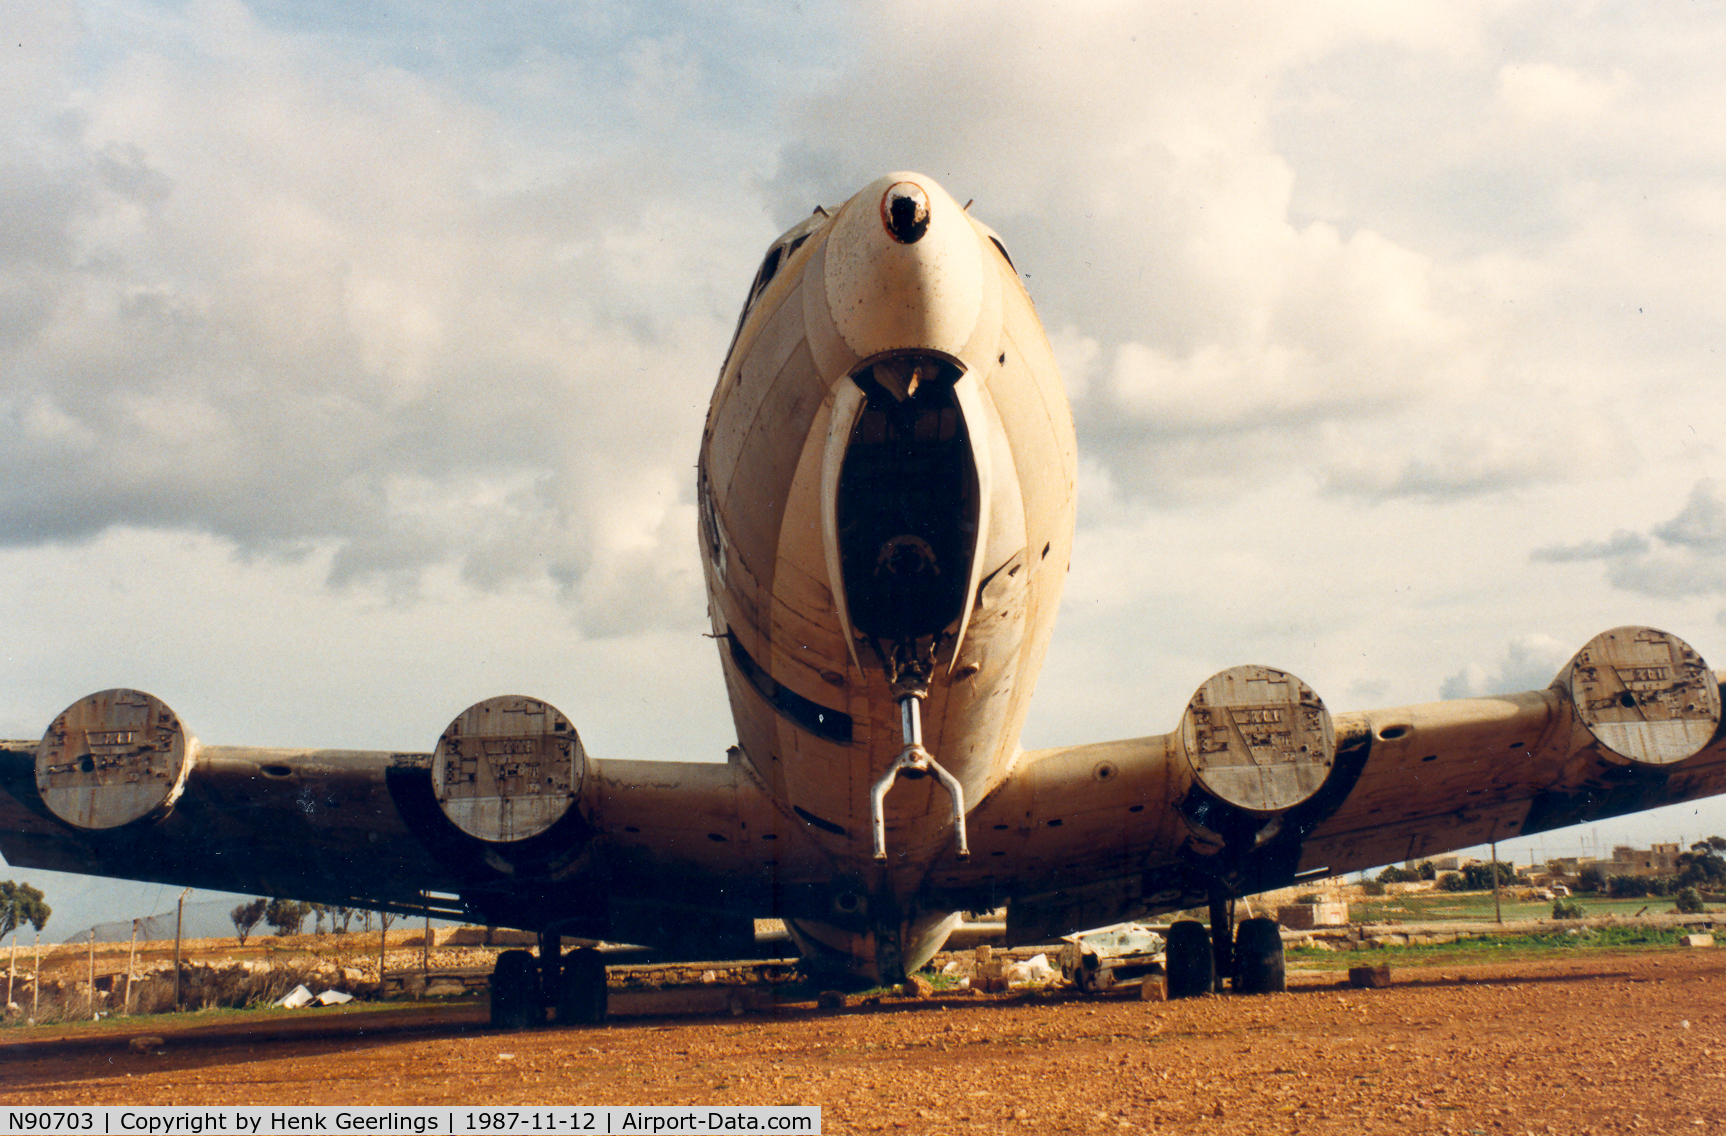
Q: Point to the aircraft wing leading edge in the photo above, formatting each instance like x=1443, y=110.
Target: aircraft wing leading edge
x=686, y=854
x=1096, y=834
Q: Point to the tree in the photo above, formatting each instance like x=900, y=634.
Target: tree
x=345, y=914
x=1478, y=877
x=1396, y=875
x=21, y=904
x=247, y=916
x=1591, y=878
x=1690, y=902
x=1704, y=866
x=1427, y=870
x=286, y=915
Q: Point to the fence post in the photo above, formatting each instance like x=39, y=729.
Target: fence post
x=93, y=974
x=131, y=960
x=179, y=919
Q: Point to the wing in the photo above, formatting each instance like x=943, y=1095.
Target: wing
x=1088, y=835
x=508, y=823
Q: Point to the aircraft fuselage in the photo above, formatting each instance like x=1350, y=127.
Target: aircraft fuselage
x=886, y=497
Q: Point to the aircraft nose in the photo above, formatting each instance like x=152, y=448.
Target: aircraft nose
x=903, y=270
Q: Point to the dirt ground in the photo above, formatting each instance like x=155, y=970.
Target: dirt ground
x=1577, y=1043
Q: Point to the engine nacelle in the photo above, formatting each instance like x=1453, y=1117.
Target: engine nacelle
x=1644, y=695
x=114, y=758
x=508, y=769
x=1258, y=739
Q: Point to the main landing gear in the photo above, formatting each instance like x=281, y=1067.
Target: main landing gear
x=1198, y=960
x=522, y=987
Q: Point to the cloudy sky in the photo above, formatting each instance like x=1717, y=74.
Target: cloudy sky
x=353, y=356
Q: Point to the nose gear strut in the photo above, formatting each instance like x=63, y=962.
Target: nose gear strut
x=915, y=757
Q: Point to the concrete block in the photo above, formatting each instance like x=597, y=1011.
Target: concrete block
x=1306, y=916
x=1152, y=989
x=1703, y=940
x=1369, y=977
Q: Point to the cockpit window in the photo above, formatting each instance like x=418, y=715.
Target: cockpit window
x=769, y=268
x=781, y=252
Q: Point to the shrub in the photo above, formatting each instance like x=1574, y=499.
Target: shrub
x=1452, y=881
x=1396, y=875
x=1690, y=901
x=1591, y=878
x=1567, y=907
x=1427, y=870
x=1372, y=887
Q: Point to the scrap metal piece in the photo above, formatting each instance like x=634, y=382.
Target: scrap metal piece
x=1106, y=957
x=113, y=758
x=1643, y=694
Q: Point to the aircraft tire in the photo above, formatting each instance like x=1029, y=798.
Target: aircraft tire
x=1189, y=963
x=1259, y=958
x=581, y=994
x=515, y=991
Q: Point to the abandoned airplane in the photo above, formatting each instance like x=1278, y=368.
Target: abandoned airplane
x=886, y=498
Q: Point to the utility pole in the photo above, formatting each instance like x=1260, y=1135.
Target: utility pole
x=36, y=983
x=93, y=1014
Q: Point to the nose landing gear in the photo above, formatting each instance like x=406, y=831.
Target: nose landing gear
x=914, y=756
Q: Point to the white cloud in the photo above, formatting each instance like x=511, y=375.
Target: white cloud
x=1545, y=94
x=264, y=292
x=1685, y=557
x=1529, y=662
x=1354, y=314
